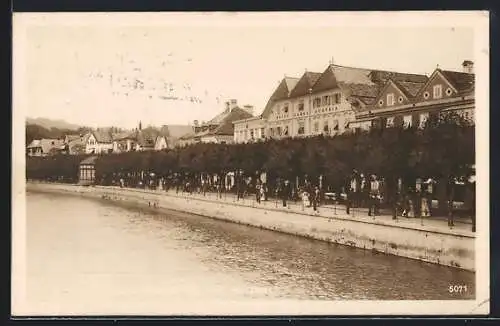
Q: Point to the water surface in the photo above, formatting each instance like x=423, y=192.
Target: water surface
x=92, y=255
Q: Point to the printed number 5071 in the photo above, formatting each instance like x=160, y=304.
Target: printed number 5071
x=457, y=288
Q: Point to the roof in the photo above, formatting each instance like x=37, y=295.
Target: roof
x=78, y=141
x=46, y=144
x=281, y=92
x=147, y=137
x=336, y=76
x=226, y=127
x=187, y=136
x=409, y=88
x=103, y=136
x=89, y=160
x=125, y=135
x=218, y=118
x=69, y=138
x=305, y=83
x=461, y=81
x=257, y=117
x=177, y=131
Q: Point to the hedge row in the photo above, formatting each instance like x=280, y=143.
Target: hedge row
x=444, y=148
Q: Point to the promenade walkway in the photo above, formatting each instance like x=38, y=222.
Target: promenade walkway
x=433, y=224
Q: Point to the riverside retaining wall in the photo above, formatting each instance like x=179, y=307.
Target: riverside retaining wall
x=442, y=247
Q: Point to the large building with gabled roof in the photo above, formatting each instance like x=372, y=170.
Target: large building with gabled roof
x=344, y=99
x=411, y=104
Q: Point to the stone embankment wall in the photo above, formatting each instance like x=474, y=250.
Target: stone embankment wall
x=442, y=247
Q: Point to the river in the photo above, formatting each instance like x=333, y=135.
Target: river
x=91, y=255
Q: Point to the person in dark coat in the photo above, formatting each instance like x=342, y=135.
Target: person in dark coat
x=285, y=192
x=315, y=198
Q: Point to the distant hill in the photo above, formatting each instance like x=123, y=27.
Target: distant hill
x=49, y=123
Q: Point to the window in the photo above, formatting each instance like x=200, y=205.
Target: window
x=251, y=134
x=400, y=99
x=381, y=102
x=390, y=99
x=449, y=91
x=271, y=131
x=279, y=131
x=301, y=130
x=423, y=119
x=285, y=109
x=390, y=122
x=285, y=130
x=317, y=102
x=437, y=91
x=326, y=128
x=262, y=133
x=326, y=99
x=301, y=106
x=407, y=121
x=426, y=95
x=337, y=98
x=316, y=126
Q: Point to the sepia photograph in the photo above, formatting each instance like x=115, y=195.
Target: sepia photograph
x=265, y=163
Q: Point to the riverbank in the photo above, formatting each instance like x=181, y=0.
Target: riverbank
x=431, y=241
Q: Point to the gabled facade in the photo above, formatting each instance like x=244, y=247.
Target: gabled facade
x=160, y=143
x=411, y=104
x=283, y=112
x=99, y=142
x=327, y=103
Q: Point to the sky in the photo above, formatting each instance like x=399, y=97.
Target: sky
x=116, y=73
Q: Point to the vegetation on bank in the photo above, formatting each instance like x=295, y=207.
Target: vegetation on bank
x=444, y=148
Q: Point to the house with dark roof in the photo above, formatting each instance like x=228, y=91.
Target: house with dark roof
x=410, y=102
x=219, y=129
x=99, y=142
x=45, y=147
x=75, y=144
x=255, y=128
x=326, y=103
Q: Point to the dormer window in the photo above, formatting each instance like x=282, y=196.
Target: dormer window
x=437, y=91
x=390, y=99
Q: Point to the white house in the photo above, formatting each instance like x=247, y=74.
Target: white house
x=99, y=142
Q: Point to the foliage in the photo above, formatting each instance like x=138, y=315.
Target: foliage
x=444, y=147
x=34, y=131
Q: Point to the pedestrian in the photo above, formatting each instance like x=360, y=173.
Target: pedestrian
x=284, y=193
x=257, y=193
x=374, y=196
x=451, y=195
x=316, y=198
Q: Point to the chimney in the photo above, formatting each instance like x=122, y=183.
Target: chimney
x=468, y=66
x=233, y=104
x=248, y=108
x=228, y=106
x=195, y=123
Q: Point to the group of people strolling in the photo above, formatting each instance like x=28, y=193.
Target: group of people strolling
x=359, y=191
